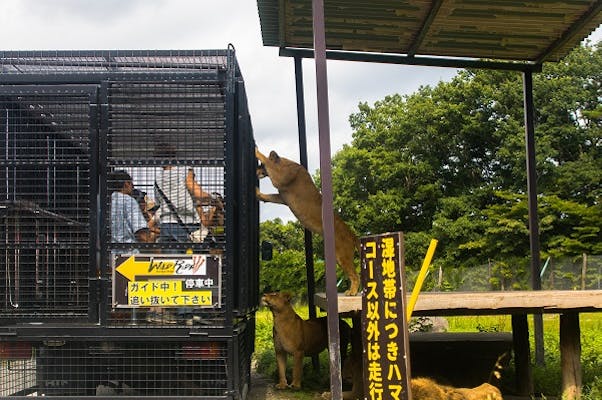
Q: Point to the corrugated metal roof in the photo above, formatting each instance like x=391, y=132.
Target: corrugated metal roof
x=530, y=31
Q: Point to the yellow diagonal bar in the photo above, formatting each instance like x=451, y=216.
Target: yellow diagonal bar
x=420, y=280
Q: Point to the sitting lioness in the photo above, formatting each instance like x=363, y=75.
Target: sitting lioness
x=297, y=190
x=293, y=335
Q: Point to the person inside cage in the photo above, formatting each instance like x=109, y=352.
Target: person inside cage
x=179, y=196
x=213, y=215
x=128, y=224
x=210, y=210
x=149, y=210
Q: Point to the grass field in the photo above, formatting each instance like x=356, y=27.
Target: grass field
x=547, y=378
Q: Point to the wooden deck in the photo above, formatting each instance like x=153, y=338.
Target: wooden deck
x=567, y=303
x=489, y=303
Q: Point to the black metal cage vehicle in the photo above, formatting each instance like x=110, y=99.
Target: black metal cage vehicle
x=105, y=289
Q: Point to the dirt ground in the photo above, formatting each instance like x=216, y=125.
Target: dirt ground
x=262, y=388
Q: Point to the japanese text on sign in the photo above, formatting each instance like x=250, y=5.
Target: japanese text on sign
x=386, y=360
x=166, y=293
x=142, y=280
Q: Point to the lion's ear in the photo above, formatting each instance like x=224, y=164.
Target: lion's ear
x=274, y=156
x=287, y=296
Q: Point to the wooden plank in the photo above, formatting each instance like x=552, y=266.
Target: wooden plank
x=570, y=356
x=489, y=303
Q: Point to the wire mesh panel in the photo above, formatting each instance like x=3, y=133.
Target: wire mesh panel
x=110, y=62
x=133, y=369
x=17, y=368
x=164, y=135
x=190, y=116
x=157, y=127
x=44, y=202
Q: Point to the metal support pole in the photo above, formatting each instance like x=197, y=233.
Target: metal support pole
x=327, y=209
x=522, y=355
x=309, y=251
x=533, y=221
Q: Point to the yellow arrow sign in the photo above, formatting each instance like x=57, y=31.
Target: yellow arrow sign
x=130, y=268
x=162, y=266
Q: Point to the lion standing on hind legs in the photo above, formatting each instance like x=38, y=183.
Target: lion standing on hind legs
x=297, y=190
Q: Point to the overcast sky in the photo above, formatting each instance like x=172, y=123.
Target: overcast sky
x=202, y=24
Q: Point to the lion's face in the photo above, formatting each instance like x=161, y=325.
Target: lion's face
x=276, y=301
x=261, y=171
x=281, y=171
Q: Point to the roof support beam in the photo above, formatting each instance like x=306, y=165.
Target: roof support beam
x=425, y=27
x=407, y=60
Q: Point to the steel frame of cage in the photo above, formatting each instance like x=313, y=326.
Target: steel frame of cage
x=241, y=225
x=207, y=368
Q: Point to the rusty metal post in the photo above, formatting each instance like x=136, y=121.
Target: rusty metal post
x=327, y=209
x=533, y=220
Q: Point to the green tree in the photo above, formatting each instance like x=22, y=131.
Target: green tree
x=283, y=236
x=287, y=269
x=449, y=162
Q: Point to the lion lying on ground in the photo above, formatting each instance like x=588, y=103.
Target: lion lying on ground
x=297, y=190
x=428, y=389
x=422, y=388
x=293, y=335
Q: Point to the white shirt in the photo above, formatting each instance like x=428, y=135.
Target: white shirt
x=126, y=218
x=173, y=184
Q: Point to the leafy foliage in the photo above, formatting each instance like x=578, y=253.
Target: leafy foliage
x=448, y=162
x=287, y=270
